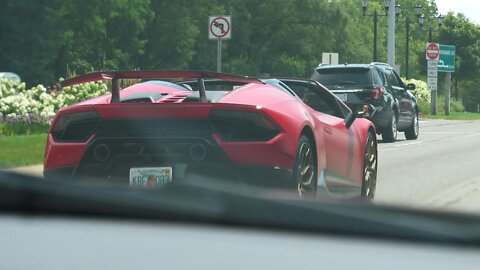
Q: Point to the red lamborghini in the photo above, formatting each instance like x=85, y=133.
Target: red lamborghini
x=286, y=133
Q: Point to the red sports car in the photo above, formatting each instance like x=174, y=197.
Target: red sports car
x=286, y=133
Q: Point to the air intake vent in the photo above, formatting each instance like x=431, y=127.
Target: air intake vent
x=176, y=98
x=136, y=100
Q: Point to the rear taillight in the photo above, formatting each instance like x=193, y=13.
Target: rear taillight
x=75, y=127
x=377, y=92
x=242, y=125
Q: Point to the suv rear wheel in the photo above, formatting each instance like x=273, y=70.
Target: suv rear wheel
x=412, y=132
x=390, y=132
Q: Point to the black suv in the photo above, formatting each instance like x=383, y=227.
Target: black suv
x=378, y=85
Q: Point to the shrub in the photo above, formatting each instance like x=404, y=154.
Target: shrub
x=455, y=106
x=422, y=94
x=36, y=105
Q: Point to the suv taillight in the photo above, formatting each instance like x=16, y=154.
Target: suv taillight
x=378, y=92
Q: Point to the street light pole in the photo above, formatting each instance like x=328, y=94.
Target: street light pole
x=407, y=48
x=418, y=12
x=375, y=16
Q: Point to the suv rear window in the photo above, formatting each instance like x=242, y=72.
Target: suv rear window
x=343, y=76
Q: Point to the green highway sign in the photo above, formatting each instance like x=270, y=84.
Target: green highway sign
x=446, y=59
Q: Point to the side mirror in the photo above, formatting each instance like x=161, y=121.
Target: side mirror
x=411, y=86
x=350, y=119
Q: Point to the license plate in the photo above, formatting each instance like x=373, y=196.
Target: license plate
x=342, y=97
x=150, y=177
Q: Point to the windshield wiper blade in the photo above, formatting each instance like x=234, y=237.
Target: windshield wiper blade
x=346, y=82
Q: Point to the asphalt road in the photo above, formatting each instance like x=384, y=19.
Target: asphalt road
x=441, y=169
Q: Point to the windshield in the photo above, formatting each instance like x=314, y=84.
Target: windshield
x=217, y=111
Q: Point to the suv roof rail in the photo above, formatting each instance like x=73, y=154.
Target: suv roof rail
x=379, y=63
x=324, y=65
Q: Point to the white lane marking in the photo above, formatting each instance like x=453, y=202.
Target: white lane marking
x=449, y=132
x=407, y=144
x=423, y=121
x=397, y=145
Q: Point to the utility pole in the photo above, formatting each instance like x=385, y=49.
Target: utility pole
x=391, y=33
x=375, y=23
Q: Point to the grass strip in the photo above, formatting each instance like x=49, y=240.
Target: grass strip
x=453, y=116
x=22, y=150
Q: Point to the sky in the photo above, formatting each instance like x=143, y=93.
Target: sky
x=470, y=8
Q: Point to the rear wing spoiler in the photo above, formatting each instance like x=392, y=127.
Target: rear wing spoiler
x=116, y=76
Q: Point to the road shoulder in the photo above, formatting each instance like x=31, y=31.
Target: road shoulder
x=32, y=170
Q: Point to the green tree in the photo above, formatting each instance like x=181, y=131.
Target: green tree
x=104, y=34
x=31, y=34
x=465, y=35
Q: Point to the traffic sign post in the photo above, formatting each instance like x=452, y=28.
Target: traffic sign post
x=432, y=53
x=330, y=58
x=441, y=58
x=446, y=63
x=219, y=28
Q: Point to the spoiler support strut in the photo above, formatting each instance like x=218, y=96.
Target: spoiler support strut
x=115, y=90
x=201, y=85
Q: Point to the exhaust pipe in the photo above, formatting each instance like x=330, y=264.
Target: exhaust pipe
x=198, y=152
x=101, y=152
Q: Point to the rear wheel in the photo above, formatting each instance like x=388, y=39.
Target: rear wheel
x=369, y=183
x=390, y=132
x=412, y=132
x=305, y=167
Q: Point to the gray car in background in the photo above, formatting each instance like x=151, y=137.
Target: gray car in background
x=10, y=76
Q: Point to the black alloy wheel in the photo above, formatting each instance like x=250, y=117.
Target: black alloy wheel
x=412, y=132
x=390, y=133
x=370, y=163
x=305, y=168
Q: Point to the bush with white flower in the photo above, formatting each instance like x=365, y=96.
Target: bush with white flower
x=422, y=94
x=18, y=104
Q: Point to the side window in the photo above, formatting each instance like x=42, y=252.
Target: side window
x=400, y=82
x=391, y=78
x=316, y=97
x=345, y=109
x=377, y=77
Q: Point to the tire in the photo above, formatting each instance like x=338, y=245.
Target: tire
x=389, y=135
x=370, y=165
x=305, y=168
x=412, y=132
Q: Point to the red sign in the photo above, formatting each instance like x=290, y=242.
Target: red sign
x=433, y=51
